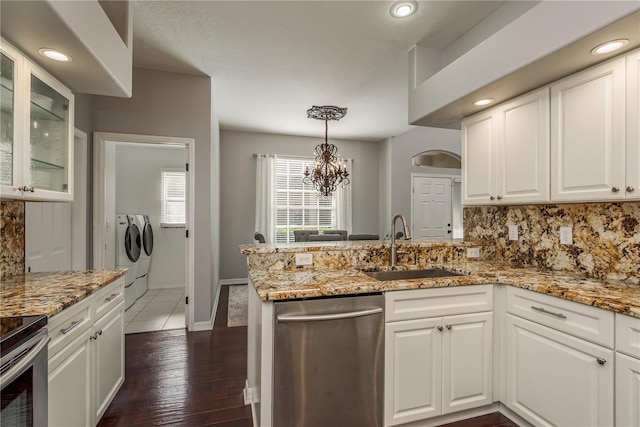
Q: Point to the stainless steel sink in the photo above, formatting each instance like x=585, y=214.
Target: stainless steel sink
x=410, y=274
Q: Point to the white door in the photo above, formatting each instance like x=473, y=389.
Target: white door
x=466, y=361
x=632, y=188
x=555, y=379
x=627, y=390
x=47, y=236
x=588, y=134
x=431, y=212
x=413, y=379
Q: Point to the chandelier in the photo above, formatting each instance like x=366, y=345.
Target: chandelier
x=328, y=171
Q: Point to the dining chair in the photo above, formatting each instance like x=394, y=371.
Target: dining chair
x=325, y=237
x=364, y=237
x=259, y=237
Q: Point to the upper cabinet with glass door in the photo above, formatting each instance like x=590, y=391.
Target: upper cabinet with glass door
x=37, y=148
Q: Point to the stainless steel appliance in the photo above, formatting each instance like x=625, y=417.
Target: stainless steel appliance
x=23, y=371
x=328, y=362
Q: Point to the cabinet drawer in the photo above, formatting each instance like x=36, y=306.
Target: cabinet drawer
x=109, y=297
x=628, y=335
x=425, y=303
x=67, y=325
x=590, y=323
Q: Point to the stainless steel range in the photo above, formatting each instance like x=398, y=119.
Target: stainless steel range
x=23, y=371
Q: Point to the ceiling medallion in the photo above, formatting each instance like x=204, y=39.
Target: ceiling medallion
x=329, y=171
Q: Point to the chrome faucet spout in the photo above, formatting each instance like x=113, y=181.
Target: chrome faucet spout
x=407, y=236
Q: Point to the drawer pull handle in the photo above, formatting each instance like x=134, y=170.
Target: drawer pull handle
x=542, y=310
x=601, y=361
x=112, y=297
x=71, y=326
x=440, y=328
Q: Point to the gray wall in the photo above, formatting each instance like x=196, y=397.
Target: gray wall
x=238, y=178
x=180, y=105
x=138, y=191
x=401, y=150
x=83, y=120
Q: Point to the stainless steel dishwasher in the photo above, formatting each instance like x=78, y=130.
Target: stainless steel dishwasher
x=328, y=362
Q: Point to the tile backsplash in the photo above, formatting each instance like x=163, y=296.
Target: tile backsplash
x=606, y=236
x=11, y=238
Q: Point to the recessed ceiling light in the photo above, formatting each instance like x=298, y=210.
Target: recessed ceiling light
x=609, y=46
x=402, y=9
x=55, y=55
x=483, y=101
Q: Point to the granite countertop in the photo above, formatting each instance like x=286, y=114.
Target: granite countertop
x=51, y=292
x=613, y=295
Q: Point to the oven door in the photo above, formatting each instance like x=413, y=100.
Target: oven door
x=24, y=382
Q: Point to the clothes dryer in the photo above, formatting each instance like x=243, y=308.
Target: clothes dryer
x=144, y=263
x=128, y=247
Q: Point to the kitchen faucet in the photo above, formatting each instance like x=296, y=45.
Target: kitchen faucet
x=407, y=236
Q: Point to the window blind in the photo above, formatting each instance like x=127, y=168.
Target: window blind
x=173, y=198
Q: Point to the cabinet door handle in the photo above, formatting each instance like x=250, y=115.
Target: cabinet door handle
x=601, y=361
x=615, y=189
x=499, y=197
x=111, y=297
x=440, y=328
x=630, y=189
x=449, y=327
x=542, y=310
x=94, y=336
x=491, y=197
x=71, y=326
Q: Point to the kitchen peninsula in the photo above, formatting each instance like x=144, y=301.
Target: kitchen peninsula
x=524, y=311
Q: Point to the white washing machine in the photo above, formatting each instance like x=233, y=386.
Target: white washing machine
x=144, y=262
x=128, y=248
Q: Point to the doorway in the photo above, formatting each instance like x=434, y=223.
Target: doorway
x=108, y=152
x=436, y=211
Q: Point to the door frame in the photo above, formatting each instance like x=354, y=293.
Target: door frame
x=104, y=234
x=79, y=215
x=415, y=175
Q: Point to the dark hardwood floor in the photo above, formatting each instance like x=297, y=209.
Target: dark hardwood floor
x=175, y=378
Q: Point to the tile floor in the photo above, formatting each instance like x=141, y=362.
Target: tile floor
x=156, y=310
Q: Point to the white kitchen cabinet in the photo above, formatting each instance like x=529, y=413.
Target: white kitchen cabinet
x=588, y=134
x=559, y=361
x=70, y=384
x=108, y=356
x=627, y=391
x=479, y=168
x=86, y=357
x=438, y=365
x=506, y=152
x=632, y=185
x=37, y=132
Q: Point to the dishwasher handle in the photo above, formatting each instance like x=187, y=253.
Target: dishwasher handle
x=333, y=316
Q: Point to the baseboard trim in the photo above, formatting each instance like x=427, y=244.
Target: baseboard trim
x=238, y=281
x=251, y=398
x=207, y=325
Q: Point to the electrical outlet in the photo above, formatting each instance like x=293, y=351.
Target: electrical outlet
x=513, y=232
x=304, y=259
x=566, y=235
x=473, y=252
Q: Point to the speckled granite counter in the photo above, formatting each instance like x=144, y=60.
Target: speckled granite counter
x=50, y=293
x=339, y=272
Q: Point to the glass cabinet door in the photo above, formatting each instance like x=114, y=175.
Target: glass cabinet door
x=7, y=119
x=49, y=137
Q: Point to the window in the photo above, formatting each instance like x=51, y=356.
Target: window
x=298, y=206
x=173, y=212
x=456, y=208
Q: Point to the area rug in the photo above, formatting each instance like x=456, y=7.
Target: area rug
x=237, y=310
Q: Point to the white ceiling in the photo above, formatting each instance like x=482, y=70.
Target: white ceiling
x=272, y=60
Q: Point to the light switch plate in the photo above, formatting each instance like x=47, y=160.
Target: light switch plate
x=513, y=232
x=473, y=252
x=566, y=235
x=304, y=259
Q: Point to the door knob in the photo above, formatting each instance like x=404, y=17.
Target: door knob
x=499, y=197
x=630, y=189
x=491, y=198
x=615, y=189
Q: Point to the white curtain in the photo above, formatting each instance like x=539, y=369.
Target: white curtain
x=265, y=175
x=344, y=210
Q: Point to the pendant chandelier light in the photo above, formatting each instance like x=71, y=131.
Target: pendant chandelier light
x=329, y=171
